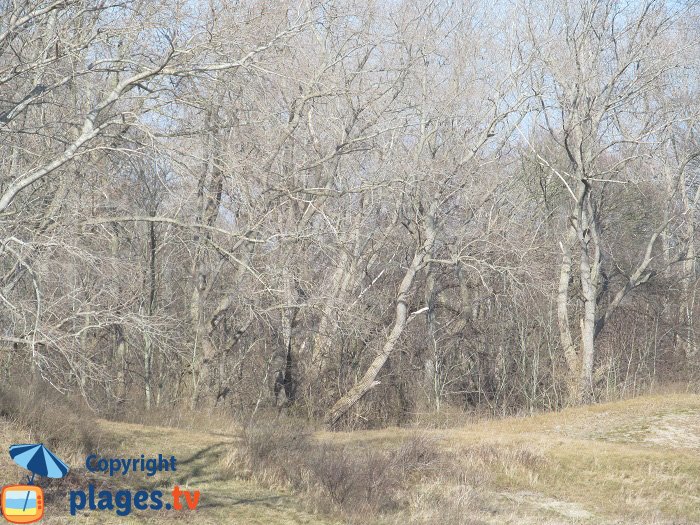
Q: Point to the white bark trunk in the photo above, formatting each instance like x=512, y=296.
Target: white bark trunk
x=368, y=380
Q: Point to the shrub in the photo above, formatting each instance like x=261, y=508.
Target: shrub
x=64, y=425
x=352, y=480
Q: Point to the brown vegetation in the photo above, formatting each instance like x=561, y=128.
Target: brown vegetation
x=350, y=212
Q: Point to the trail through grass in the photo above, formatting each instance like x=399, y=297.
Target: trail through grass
x=633, y=462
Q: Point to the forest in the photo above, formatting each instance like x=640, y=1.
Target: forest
x=361, y=213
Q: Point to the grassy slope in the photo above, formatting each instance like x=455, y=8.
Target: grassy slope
x=635, y=461
x=203, y=464
x=631, y=462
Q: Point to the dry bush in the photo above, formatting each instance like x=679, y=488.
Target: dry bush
x=449, y=417
x=480, y=464
x=352, y=480
x=181, y=416
x=269, y=450
x=461, y=491
x=439, y=501
x=411, y=481
x=63, y=424
x=489, y=455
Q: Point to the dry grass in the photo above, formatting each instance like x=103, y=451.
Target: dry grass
x=345, y=480
x=631, y=462
x=41, y=415
x=634, y=461
x=600, y=457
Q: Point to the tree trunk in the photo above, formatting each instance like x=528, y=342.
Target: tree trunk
x=590, y=267
x=209, y=193
x=432, y=360
x=150, y=308
x=368, y=381
x=688, y=279
x=567, y=343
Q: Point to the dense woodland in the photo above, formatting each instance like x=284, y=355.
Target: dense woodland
x=358, y=212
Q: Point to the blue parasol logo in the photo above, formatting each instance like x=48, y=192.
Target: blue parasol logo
x=38, y=459
x=25, y=503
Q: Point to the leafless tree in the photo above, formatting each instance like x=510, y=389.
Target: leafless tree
x=356, y=211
